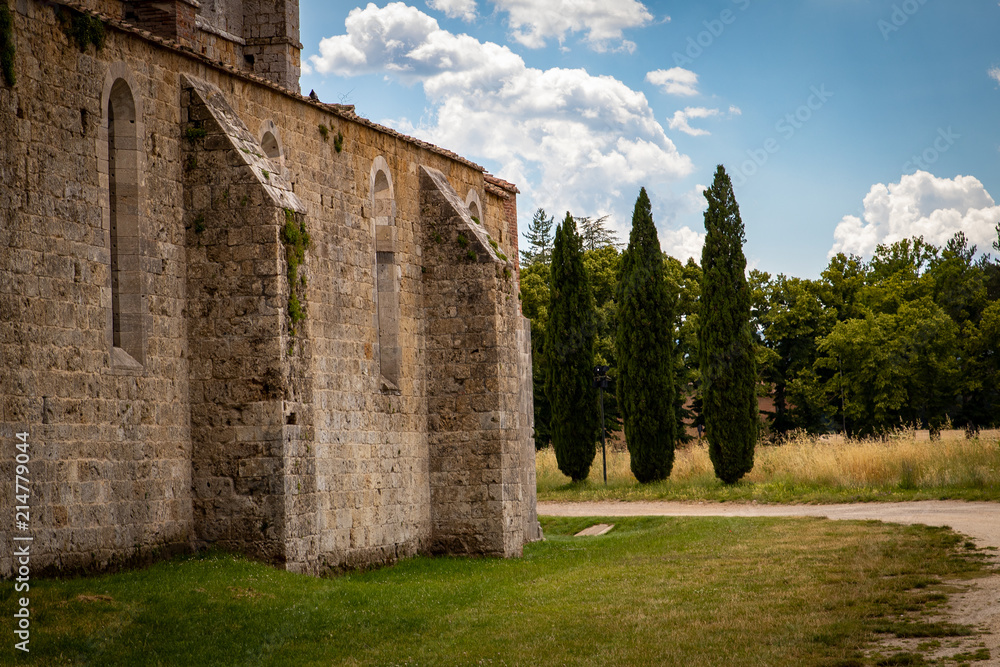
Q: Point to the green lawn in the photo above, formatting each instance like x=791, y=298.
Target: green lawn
x=654, y=591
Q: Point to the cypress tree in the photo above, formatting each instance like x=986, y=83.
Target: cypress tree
x=726, y=353
x=569, y=352
x=644, y=345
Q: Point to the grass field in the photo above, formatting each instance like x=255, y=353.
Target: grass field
x=654, y=591
x=804, y=470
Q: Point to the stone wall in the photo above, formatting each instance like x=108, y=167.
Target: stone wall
x=472, y=311
x=242, y=381
x=252, y=36
x=226, y=428
x=526, y=416
x=111, y=456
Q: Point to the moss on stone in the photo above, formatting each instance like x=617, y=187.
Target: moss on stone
x=296, y=239
x=83, y=29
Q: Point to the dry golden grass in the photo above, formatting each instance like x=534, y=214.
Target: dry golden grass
x=907, y=465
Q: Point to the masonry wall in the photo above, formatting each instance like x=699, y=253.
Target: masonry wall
x=472, y=316
x=232, y=431
x=111, y=446
x=250, y=392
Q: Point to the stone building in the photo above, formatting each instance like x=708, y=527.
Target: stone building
x=232, y=315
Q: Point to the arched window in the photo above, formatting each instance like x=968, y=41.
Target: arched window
x=270, y=145
x=120, y=142
x=387, y=274
x=475, y=208
x=270, y=141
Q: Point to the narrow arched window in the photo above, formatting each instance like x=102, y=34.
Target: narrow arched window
x=475, y=208
x=123, y=207
x=270, y=145
x=270, y=141
x=387, y=275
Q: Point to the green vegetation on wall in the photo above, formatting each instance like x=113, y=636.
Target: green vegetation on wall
x=83, y=29
x=296, y=239
x=338, y=141
x=7, y=49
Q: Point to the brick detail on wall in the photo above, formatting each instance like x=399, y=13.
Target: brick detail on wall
x=170, y=19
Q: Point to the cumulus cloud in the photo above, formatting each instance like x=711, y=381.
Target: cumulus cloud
x=675, y=81
x=682, y=243
x=533, y=22
x=583, y=141
x=409, y=44
x=921, y=204
x=681, y=118
x=455, y=9
x=995, y=73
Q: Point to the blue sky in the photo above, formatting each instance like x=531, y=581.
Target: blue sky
x=843, y=123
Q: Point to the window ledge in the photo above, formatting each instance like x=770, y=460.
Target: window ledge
x=387, y=386
x=122, y=363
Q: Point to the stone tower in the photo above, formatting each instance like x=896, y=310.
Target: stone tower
x=258, y=36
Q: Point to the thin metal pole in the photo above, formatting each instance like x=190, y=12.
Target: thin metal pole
x=604, y=451
x=843, y=414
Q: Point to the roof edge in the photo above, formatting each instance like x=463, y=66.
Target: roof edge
x=345, y=111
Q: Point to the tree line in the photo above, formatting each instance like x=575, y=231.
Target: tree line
x=910, y=337
x=591, y=304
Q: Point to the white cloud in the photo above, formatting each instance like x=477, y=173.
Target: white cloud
x=533, y=22
x=675, y=81
x=463, y=9
x=570, y=140
x=683, y=243
x=995, y=73
x=681, y=118
x=409, y=44
x=921, y=204
x=735, y=111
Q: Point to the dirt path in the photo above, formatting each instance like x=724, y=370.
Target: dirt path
x=978, y=605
